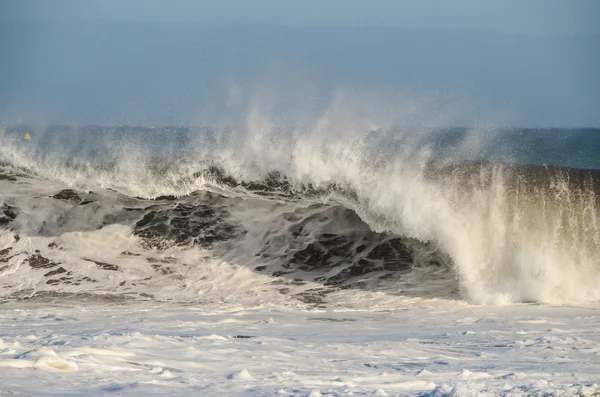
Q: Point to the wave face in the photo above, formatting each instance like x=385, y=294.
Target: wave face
x=393, y=210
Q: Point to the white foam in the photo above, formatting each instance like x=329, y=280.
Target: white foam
x=242, y=375
x=93, y=350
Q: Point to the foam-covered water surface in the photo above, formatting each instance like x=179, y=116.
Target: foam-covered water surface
x=347, y=258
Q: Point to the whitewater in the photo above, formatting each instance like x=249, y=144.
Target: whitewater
x=341, y=255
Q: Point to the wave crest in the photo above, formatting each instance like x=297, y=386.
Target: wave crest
x=512, y=233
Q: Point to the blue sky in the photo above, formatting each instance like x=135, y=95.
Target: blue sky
x=531, y=16
x=163, y=62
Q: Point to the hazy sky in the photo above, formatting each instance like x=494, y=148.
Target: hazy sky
x=540, y=16
x=161, y=62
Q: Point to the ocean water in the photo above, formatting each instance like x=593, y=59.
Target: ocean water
x=485, y=215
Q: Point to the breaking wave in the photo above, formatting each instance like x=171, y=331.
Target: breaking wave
x=390, y=209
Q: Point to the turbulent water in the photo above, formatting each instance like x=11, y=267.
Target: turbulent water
x=300, y=214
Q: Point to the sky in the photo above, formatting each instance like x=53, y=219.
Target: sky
x=532, y=16
x=152, y=62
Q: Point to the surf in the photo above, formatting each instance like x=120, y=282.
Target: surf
x=500, y=231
